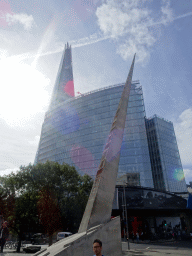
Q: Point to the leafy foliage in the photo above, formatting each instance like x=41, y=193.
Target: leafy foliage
x=47, y=196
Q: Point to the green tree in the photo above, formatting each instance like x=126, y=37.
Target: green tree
x=51, y=194
x=49, y=212
x=73, y=204
x=25, y=215
x=19, y=208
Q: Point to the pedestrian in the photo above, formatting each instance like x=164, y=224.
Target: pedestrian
x=179, y=235
x=176, y=235
x=97, y=247
x=142, y=236
x=137, y=236
x=4, y=234
x=133, y=236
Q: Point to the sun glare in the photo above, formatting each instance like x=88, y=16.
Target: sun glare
x=23, y=91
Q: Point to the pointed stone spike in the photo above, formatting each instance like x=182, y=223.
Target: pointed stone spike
x=131, y=69
x=99, y=205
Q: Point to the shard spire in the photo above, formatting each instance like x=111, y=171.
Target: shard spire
x=99, y=205
x=64, y=85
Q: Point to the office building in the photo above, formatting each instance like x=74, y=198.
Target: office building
x=166, y=165
x=75, y=131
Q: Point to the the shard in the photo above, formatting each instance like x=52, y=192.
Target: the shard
x=64, y=86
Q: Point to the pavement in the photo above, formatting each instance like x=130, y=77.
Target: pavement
x=143, y=248
x=158, y=248
x=12, y=252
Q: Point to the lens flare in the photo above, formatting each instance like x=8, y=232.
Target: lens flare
x=5, y=8
x=178, y=174
x=83, y=159
x=69, y=88
x=66, y=118
x=113, y=145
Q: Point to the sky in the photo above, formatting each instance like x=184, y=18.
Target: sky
x=104, y=35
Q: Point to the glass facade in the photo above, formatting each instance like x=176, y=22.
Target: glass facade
x=75, y=132
x=164, y=154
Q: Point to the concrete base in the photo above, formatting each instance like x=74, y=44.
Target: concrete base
x=82, y=243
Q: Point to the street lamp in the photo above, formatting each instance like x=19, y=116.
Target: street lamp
x=126, y=216
x=123, y=205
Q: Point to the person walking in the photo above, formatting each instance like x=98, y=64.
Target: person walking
x=179, y=235
x=142, y=236
x=137, y=236
x=97, y=247
x=4, y=234
x=133, y=236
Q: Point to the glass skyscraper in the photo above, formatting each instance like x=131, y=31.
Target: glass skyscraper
x=164, y=154
x=75, y=131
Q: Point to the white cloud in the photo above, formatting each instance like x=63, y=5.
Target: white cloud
x=130, y=23
x=141, y=42
x=8, y=171
x=188, y=175
x=167, y=13
x=183, y=16
x=183, y=131
x=26, y=20
x=18, y=144
x=35, y=142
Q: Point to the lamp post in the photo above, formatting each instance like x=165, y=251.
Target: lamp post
x=123, y=205
x=126, y=216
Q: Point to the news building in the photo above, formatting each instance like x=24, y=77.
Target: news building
x=75, y=130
